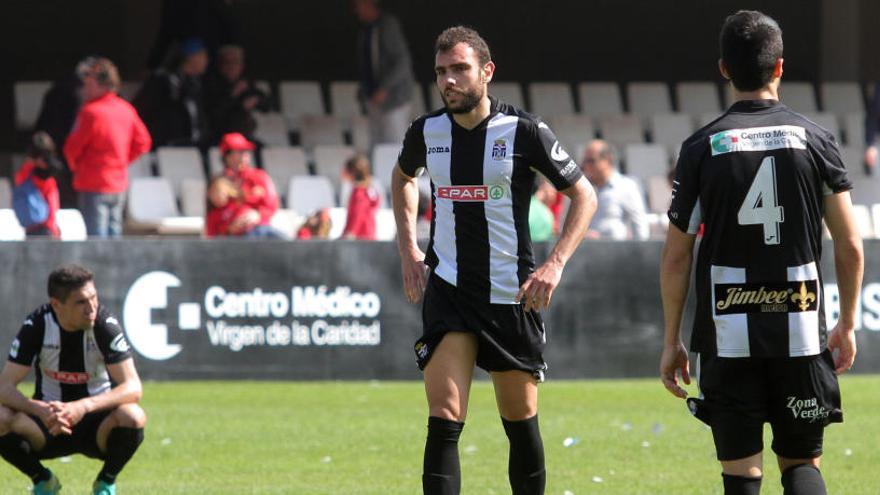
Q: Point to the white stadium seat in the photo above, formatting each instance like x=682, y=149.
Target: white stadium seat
x=308, y=193
x=644, y=161
x=271, y=129
x=549, y=99
x=386, y=228
x=599, y=98
x=5, y=193
x=10, y=229
x=697, y=97
x=330, y=160
x=287, y=221
x=28, y=100
x=320, y=129
x=151, y=199
x=841, y=98
x=671, y=129
x=798, y=95
x=383, y=160
x=647, y=98
x=299, y=98
x=621, y=129
x=284, y=162
x=508, y=92
x=143, y=166
x=71, y=224
x=344, y=102
x=176, y=164
x=193, y=196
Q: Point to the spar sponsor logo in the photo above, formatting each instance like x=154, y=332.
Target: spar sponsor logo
x=472, y=193
x=238, y=319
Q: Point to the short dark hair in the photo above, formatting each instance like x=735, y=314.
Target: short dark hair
x=103, y=70
x=66, y=279
x=41, y=146
x=751, y=43
x=462, y=34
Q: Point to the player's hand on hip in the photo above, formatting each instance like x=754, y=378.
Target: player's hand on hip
x=674, y=362
x=537, y=291
x=414, y=276
x=843, y=340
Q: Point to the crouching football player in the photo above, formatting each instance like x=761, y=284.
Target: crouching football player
x=87, y=389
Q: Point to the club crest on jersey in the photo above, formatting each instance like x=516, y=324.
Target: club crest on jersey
x=499, y=150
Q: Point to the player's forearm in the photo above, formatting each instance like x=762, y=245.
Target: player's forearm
x=848, y=263
x=577, y=221
x=675, y=273
x=127, y=392
x=12, y=398
x=405, y=202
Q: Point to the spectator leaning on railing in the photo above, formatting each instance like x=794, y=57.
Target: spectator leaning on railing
x=108, y=135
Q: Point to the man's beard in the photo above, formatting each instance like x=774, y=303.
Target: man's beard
x=469, y=101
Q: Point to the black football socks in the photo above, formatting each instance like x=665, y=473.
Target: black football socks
x=526, y=462
x=17, y=451
x=442, y=471
x=803, y=479
x=122, y=443
x=741, y=485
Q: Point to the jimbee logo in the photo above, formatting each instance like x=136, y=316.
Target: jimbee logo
x=785, y=297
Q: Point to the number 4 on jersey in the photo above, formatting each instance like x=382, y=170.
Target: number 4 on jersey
x=761, y=205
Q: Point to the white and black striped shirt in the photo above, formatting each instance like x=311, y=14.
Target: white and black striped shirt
x=755, y=178
x=69, y=365
x=481, y=183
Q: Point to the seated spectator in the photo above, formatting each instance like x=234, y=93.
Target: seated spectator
x=541, y=219
x=230, y=99
x=621, y=210
x=552, y=199
x=171, y=101
x=317, y=226
x=254, y=200
x=363, y=203
x=39, y=167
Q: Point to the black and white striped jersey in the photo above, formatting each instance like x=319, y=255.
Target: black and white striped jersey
x=755, y=178
x=69, y=365
x=481, y=183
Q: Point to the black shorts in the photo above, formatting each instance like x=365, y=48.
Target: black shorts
x=798, y=396
x=82, y=440
x=509, y=337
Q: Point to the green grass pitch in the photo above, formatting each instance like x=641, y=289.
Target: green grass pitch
x=626, y=437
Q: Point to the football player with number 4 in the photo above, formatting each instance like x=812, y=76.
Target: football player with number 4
x=760, y=178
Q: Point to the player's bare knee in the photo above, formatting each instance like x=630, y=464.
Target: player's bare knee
x=518, y=412
x=130, y=416
x=448, y=410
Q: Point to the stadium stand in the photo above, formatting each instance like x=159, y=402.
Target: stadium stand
x=71, y=224
x=648, y=98
x=307, y=193
x=192, y=197
x=548, y=99
x=284, y=162
x=573, y=131
x=696, y=98
x=329, y=161
x=28, y=98
x=799, y=96
x=299, y=98
x=271, y=129
x=621, y=129
x=143, y=166
x=384, y=159
x=176, y=164
x=599, y=98
x=854, y=129
x=320, y=129
x=10, y=229
x=863, y=220
x=841, y=98
x=826, y=120
x=5, y=193
x=344, y=102
x=643, y=161
x=670, y=129
x=286, y=221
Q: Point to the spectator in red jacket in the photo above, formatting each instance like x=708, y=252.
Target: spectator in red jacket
x=38, y=168
x=107, y=137
x=226, y=214
x=363, y=203
x=257, y=190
